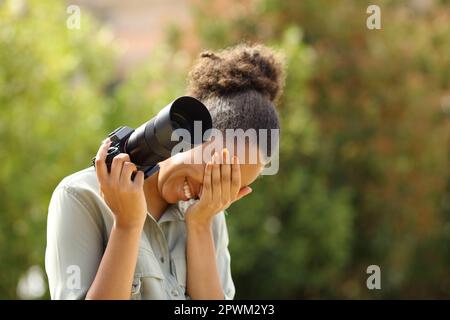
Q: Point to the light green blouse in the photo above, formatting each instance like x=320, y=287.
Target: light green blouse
x=78, y=228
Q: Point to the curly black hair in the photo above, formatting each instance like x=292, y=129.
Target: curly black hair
x=237, y=69
x=239, y=85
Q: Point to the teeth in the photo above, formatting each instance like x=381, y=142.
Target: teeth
x=187, y=191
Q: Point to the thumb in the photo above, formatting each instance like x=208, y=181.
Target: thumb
x=243, y=192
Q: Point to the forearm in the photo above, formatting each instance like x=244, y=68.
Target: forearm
x=115, y=273
x=203, y=281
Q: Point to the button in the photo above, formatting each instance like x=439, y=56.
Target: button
x=162, y=259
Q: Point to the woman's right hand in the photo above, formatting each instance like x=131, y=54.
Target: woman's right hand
x=124, y=197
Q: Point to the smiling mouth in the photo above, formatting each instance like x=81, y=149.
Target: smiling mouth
x=188, y=193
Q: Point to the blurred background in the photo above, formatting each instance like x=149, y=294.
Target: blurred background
x=364, y=169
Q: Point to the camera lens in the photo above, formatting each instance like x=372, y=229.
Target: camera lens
x=185, y=111
x=178, y=122
x=152, y=141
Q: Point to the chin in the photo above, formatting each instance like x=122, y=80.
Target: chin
x=171, y=198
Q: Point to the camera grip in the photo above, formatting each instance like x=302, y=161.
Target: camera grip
x=112, y=152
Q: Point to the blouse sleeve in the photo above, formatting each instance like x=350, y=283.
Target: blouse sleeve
x=74, y=245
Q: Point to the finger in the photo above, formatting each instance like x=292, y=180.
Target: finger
x=206, y=188
x=116, y=166
x=235, y=178
x=216, y=187
x=225, y=172
x=100, y=165
x=127, y=171
x=139, y=179
x=243, y=192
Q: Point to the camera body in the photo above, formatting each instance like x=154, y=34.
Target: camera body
x=119, y=139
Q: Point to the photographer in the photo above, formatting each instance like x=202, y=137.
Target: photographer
x=165, y=237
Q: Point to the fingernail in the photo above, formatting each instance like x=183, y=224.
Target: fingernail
x=225, y=156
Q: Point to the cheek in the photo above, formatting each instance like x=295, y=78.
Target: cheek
x=174, y=180
x=170, y=188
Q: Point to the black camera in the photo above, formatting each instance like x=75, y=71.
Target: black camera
x=152, y=142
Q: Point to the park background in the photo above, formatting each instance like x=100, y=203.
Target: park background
x=364, y=169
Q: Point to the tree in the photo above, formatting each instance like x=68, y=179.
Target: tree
x=52, y=101
x=376, y=98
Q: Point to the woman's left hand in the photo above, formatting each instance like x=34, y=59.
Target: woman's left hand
x=221, y=187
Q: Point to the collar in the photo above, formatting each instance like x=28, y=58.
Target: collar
x=175, y=211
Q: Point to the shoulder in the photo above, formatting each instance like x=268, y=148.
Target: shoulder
x=83, y=179
x=79, y=183
x=81, y=187
x=77, y=204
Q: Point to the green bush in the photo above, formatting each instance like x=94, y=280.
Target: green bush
x=52, y=101
x=379, y=103
x=364, y=170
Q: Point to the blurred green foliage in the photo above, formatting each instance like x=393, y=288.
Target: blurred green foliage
x=373, y=189
x=364, y=170
x=52, y=101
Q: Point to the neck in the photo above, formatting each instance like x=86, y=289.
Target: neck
x=155, y=202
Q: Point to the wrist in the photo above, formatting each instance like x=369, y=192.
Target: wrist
x=131, y=227
x=198, y=223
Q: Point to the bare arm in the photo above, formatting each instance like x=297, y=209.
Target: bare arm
x=115, y=273
x=203, y=280
x=221, y=187
x=127, y=201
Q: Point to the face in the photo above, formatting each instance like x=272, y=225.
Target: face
x=176, y=174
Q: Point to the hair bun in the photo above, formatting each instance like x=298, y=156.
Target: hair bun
x=208, y=54
x=238, y=69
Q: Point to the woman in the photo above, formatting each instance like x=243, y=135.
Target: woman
x=165, y=237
